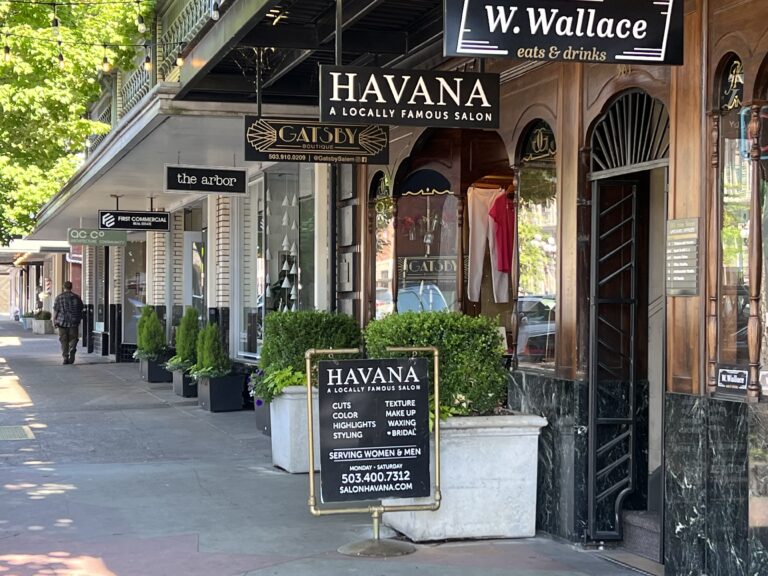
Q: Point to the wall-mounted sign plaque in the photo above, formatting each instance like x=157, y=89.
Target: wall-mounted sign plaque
x=134, y=221
x=374, y=429
x=683, y=257
x=268, y=139
x=643, y=31
x=92, y=237
x=209, y=179
x=350, y=94
x=732, y=378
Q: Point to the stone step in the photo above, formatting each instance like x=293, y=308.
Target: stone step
x=642, y=533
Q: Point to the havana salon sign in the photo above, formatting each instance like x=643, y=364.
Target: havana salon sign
x=351, y=94
x=269, y=139
x=639, y=31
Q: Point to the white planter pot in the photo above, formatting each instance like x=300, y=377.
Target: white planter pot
x=488, y=481
x=290, y=441
x=42, y=326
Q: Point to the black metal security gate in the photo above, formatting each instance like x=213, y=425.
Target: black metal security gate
x=613, y=362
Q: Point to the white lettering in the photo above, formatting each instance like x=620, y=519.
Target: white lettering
x=504, y=20
x=338, y=87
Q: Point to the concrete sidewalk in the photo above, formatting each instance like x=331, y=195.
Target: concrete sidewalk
x=124, y=478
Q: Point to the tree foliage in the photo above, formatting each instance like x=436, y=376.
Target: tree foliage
x=43, y=128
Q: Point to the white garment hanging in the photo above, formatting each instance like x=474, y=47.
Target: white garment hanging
x=482, y=230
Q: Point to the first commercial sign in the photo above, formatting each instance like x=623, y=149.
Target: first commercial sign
x=134, y=221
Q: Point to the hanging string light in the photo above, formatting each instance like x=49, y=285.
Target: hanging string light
x=6, y=50
x=106, y=67
x=140, y=19
x=61, y=57
x=147, y=58
x=55, y=22
x=214, y=10
x=180, y=55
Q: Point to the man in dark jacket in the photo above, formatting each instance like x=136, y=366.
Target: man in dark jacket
x=67, y=313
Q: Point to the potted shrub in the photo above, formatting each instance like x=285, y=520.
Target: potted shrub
x=218, y=388
x=186, y=355
x=26, y=320
x=260, y=405
x=42, y=323
x=489, y=455
x=151, y=349
x=287, y=336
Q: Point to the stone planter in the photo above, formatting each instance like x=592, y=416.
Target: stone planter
x=42, y=326
x=221, y=394
x=488, y=481
x=26, y=322
x=184, y=385
x=288, y=416
x=154, y=371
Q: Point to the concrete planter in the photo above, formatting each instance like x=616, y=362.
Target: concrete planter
x=488, y=482
x=26, y=322
x=42, y=326
x=288, y=419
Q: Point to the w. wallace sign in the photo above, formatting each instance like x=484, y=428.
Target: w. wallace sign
x=638, y=31
x=350, y=94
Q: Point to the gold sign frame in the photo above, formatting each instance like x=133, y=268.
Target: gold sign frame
x=374, y=547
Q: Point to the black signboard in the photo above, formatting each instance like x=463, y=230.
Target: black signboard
x=732, y=378
x=134, y=221
x=209, y=179
x=641, y=32
x=268, y=139
x=374, y=429
x=350, y=94
x=683, y=257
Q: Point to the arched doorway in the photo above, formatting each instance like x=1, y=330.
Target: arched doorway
x=629, y=147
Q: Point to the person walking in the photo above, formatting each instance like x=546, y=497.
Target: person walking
x=67, y=314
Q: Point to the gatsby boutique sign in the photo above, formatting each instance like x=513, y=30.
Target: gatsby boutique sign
x=643, y=31
x=268, y=139
x=351, y=94
x=184, y=179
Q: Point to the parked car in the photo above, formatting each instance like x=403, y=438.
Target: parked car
x=420, y=298
x=536, y=334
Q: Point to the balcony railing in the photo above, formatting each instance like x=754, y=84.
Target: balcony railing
x=106, y=118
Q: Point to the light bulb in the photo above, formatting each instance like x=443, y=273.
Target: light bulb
x=147, y=63
x=179, y=60
x=7, y=54
x=61, y=60
x=105, y=65
x=140, y=24
x=215, y=10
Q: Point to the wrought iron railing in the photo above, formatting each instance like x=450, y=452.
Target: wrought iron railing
x=106, y=118
x=182, y=30
x=135, y=86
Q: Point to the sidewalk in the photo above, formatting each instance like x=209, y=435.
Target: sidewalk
x=123, y=478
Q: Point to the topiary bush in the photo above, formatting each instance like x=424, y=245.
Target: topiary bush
x=288, y=335
x=473, y=380
x=150, y=336
x=43, y=315
x=212, y=360
x=186, y=342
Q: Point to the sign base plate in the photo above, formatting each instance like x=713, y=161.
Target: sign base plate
x=377, y=548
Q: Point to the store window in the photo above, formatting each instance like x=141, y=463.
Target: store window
x=135, y=287
x=537, y=245
x=735, y=178
x=427, y=244
x=100, y=289
x=277, y=242
x=384, y=244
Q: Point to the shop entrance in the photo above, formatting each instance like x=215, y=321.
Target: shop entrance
x=626, y=324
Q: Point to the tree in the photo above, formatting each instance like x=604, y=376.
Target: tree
x=42, y=104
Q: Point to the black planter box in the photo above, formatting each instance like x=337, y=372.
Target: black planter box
x=184, y=385
x=263, y=421
x=154, y=371
x=221, y=394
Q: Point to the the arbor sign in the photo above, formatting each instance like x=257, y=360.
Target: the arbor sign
x=352, y=94
x=210, y=179
x=641, y=31
x=374, y=429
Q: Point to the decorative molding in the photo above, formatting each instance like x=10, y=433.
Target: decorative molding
x=754, y=333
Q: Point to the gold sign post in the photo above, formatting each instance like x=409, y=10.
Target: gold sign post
x=374, y=547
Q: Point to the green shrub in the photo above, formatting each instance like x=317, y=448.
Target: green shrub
x=212, y=360
x=270, y=385
x=288, y=335
x=472, y=377
x=150, y=336
x=186, y=342
x=43, y=315
x=28, y=315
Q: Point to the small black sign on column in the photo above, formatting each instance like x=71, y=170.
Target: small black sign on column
x=209, y=179
x=374, y=429
x=732, y=378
